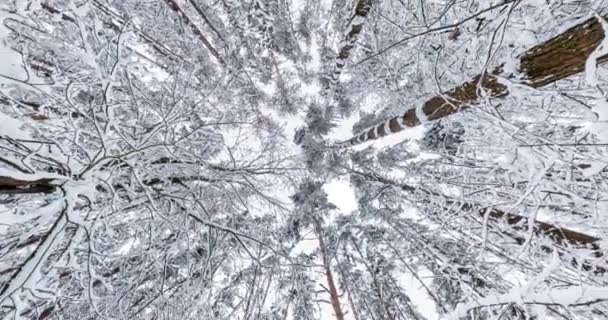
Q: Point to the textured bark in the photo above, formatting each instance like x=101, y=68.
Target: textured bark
x=10, y=185
x=563, y=56
x=558, y=58
x=362, y=10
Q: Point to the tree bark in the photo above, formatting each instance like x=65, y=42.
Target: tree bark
x=202, y=14
x=333, y=291
x=355, y=26
x=197, y=32
x=558, y=58
x=10, y=185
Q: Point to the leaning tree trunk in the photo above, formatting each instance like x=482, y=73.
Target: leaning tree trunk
x=199, y=34
x=560, y=236
x=25, y=184
x=355, y=26
x=558, y=58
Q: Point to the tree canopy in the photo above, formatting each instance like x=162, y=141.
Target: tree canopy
x=303, y=159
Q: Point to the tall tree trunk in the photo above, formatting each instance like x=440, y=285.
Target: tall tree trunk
x=558, y=58
x=355, y=26
x=202, y=14
x=180, y=13
x=333, y=291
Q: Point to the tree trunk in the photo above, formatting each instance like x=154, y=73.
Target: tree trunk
x=558, y=235
x=180, y=13
x=11, y=185
x=333, y=291
x=558, y=58
x=355, y=26
x=202, y=14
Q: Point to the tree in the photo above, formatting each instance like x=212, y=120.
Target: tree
x=555, y=59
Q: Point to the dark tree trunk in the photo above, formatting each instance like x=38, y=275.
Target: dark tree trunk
x=362, y=10
x=197, y=32
x=333, y=291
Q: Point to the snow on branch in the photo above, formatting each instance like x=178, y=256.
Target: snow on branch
x=574, y=296
x=538, y=68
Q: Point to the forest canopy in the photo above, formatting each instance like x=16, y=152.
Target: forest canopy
x=304, y=159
